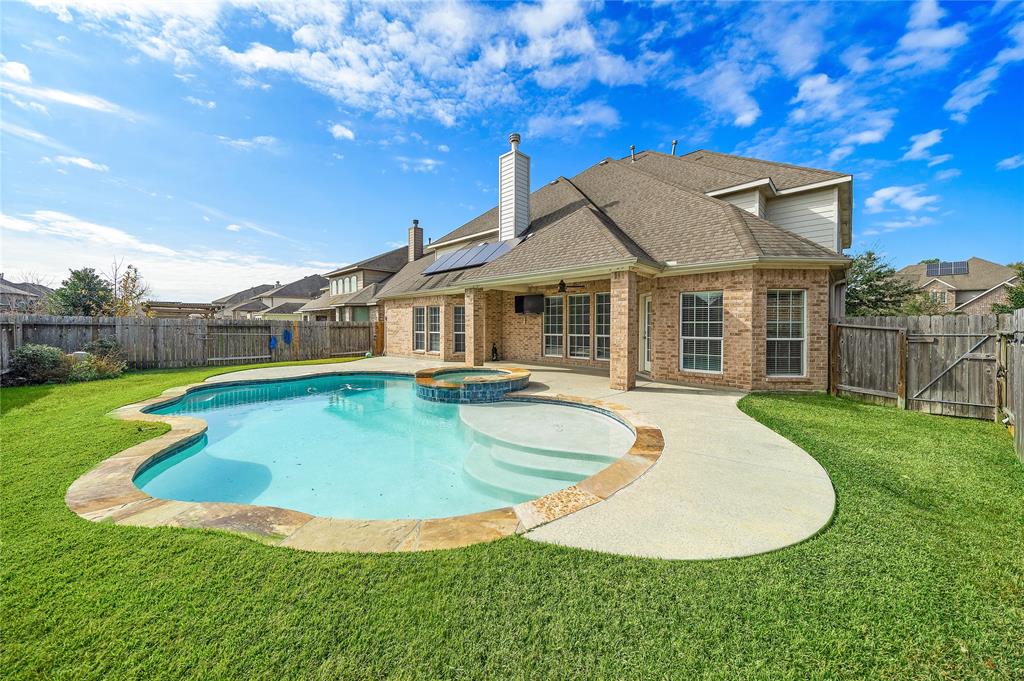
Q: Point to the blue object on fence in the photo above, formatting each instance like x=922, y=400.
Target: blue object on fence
x=273, y=342
x=286, y=336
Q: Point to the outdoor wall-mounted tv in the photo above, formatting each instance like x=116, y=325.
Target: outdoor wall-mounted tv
x=533, y=304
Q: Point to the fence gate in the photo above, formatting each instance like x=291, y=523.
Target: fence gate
x=940, y=365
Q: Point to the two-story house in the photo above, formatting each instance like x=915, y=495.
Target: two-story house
x=704, y=268
x=970, y=286
x=350, y=294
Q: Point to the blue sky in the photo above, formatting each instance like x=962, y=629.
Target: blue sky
x=222, y=144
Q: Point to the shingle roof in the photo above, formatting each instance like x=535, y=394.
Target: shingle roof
x=981, y=275
x=392, y=261
x=25, y=288
x=251, y=306
x=242, y=296
x=652, y=211
x=284, y=308
x=783, y=175
x=307, y=287
x=364, y=296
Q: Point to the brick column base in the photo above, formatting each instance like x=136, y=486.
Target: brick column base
x=625, y=341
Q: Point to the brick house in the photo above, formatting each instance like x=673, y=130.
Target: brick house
x=969, y=286
x=351, y=291
x=704, y=268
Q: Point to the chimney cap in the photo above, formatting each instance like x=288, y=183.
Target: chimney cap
x=514, y=139
x=415, y=222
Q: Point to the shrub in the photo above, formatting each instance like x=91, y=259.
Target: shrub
x=33, y=363
x=104, y=347
x=94, y=367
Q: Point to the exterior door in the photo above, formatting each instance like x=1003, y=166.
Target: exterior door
x=646, y=331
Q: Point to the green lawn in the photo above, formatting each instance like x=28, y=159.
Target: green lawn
x=920, y=575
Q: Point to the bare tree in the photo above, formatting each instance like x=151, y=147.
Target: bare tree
x=129, y=289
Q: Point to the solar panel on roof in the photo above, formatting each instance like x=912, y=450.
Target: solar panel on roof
x=938, y=269
x=471, y=256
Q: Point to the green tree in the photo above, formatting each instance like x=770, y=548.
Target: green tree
x=929, y=261
x=83, y=293
x=874, y=288
x=921, y=303
x=1014, y=295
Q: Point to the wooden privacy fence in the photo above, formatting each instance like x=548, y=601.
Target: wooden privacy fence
x=170, y=343
x=954, y=365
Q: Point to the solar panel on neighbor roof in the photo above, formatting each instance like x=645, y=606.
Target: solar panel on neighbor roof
x=471, y=256
x=938, y=269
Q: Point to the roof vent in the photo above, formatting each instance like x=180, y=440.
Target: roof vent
x=674, y=143
x=513, y=191
x=632, y=153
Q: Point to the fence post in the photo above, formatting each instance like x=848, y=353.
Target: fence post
x=833, y=359
x=902, y=350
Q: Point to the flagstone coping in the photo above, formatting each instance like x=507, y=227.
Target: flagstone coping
x=107, y=493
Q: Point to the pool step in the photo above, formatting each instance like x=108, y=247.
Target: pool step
x=549, y=464
x=506, y=484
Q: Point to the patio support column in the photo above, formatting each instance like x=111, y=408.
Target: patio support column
x=625, y=340
x=476, y=311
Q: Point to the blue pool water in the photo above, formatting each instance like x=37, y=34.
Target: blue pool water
x=363, y=446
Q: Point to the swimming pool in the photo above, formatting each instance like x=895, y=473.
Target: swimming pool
x=365, y=447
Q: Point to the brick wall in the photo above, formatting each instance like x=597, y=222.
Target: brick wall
x=983, y=304
x=519, y=337
x=398, y=327
x=939, y=289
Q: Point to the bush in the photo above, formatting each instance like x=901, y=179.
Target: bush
x=104, y=347
x=94, y=367
x=33, y=363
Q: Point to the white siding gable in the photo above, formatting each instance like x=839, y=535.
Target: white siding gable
x=813, y=215
x=749, y=201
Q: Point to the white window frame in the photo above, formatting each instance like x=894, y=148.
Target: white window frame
x=419, y=336
x=597, y=325
x=433, y=320
x=561, y=328
x=709, y=338
x=802, y=338
x=458, y=311
x=571, y=322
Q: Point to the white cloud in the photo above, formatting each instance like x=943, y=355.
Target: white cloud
x=51, y=242
x=15, y=71
x=591, y=116
x=792, y=34
x=1011, y=163
x=79, y=161
x=908, y=198
x=926, y=45
x=234, y=228
x=78, y=99
x=872, y=128
x=972, y=92
x=921, y=146
x=419, y=165
x=340, y=132
x=26, y=106
x=249, y=82
x=726, y=87
x=819, y=97
x=947, y=174
x=265, y=142
x=31, y=136
x=201, y=103
x=908, y=222
x=444, y=148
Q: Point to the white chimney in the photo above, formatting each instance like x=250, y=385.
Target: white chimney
x=513, y=191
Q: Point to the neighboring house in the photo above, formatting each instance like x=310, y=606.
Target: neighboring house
x=240, y=297
x=176, y=309
x=970, y=286
x=22, y=297
x=272, y=301
x=703, y=268
x=351, y=291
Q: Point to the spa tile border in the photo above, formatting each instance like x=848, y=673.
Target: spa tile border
x=430, y=384
x=107, y=493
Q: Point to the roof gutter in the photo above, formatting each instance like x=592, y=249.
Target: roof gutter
x=760, y=262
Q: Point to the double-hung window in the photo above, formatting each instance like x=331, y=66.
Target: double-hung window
x=434, y=329
x=602, y=325
x=419, y=329
x=579, y=326
x=784, y=355
x=459, y=328
x=553, y=326
x=700, y=342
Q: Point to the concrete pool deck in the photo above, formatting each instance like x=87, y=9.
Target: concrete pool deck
x=725, y=486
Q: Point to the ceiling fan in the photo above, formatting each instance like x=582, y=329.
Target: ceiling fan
x=562, y=286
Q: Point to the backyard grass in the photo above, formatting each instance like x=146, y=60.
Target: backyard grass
x=920, y=574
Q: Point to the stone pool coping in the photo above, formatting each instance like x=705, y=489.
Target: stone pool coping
x=107, y=493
